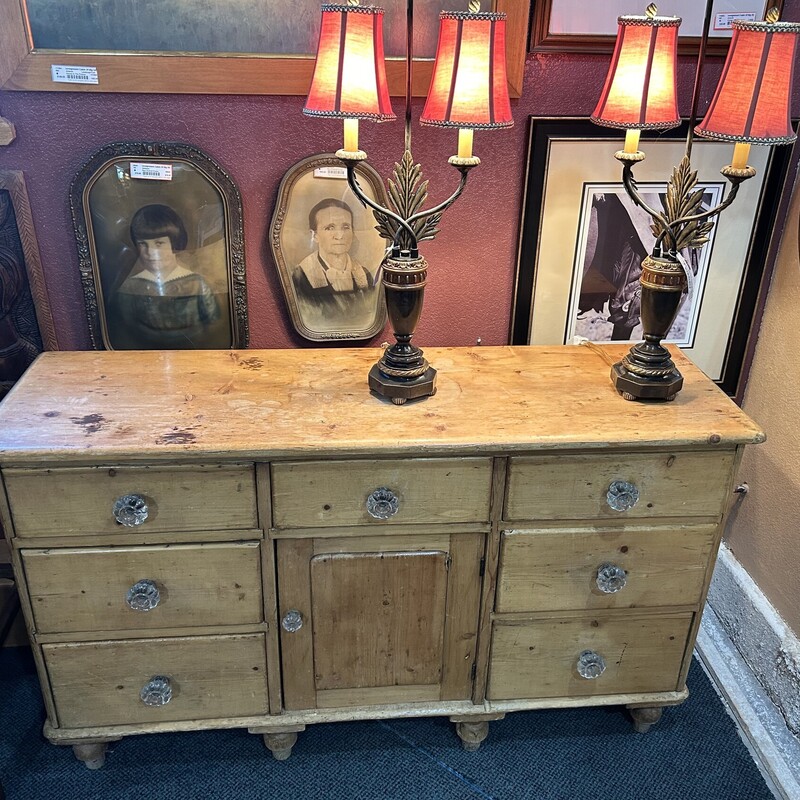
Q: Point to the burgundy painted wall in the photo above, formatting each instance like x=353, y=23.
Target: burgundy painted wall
x=256, y=139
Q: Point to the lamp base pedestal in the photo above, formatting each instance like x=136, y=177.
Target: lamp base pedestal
x=636, y=387
x=398, y=390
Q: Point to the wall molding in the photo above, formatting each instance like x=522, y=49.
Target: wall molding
x=753, y=658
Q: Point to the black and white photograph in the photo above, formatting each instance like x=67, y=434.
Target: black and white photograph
x=328, y=252
x=615, y=235
x=161, y=253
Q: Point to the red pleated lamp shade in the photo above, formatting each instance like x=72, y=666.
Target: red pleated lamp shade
x=641, y=86
x=469, y=87
x=753, y=98
x=350, y=73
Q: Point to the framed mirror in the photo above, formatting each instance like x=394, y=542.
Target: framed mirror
x=159, y=233
x=208, y=46
x=328, y=252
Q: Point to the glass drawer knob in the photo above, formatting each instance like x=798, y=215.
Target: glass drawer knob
x=157, y=691
x=383, y=503
x=611, y=578
x=292, y=621
x=591, y=665
x=130, y=510
x=143, y=596
x=622, y=495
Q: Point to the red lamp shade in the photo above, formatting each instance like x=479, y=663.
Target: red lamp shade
x=753, y=99
x=641, y=86
x=350, y=74
x=469, y=87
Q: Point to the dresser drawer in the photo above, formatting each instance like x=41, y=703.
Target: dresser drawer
x=144, y=588
x=53, y=502
x=541, y=659
x=578, y=486
x=208, y=677
x=585, y=568
x=332, y=493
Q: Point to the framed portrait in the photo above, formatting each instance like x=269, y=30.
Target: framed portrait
x=160, y=242
x=26, y=323
x=327, y=250
x=575, y=25
x=582, y=241
x=209, y=46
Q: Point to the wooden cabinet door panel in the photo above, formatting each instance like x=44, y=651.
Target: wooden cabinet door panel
x=381, y=621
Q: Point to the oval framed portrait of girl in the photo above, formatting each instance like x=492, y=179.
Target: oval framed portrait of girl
x=327, y=250
x=159, y=230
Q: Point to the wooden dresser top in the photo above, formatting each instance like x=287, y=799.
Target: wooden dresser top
x=256, y=404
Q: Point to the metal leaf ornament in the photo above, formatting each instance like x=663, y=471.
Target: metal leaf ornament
x=682, y=200
x=407, y=194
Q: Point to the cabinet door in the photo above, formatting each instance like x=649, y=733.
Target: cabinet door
x=377, y=620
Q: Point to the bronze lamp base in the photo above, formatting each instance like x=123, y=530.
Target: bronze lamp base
x=399, y=390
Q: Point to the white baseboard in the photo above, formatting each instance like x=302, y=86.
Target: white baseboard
x=753, y=658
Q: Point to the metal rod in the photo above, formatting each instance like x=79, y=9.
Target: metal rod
x=409, y=67
x=698, y=75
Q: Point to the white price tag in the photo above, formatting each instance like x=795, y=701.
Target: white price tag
x=148, y=171
x=723, y=22
x=61, y=73
x=331, y=172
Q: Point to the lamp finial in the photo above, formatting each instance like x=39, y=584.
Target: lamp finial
x=651, y=10
x=773, y=15
x=474, y=6
x=353, y=2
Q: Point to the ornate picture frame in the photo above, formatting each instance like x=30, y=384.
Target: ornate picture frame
x=577, y=26
x=161, y=247
x=328, y=252
x=26, y=321
x=570, y=164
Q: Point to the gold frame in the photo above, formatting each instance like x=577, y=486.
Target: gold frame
x=24, y=68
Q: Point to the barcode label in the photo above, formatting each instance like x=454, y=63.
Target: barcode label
x=330, y=172
x=61, y=73
x=151, y=172
x=724, y=22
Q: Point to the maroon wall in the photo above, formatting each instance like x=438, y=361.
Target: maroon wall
x=256, y=139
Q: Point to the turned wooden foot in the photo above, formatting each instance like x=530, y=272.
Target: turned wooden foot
x=93, y=755
x=645, y=718
x=280, y=744
x=472, y=734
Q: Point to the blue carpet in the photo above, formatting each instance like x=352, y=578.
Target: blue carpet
x=694, y=752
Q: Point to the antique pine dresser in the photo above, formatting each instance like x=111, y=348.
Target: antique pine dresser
x=250, y=539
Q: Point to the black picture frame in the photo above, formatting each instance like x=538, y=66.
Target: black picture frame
x=113, y=189
x=543, y=132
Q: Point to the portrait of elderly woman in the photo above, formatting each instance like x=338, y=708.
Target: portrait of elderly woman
x=162, y=303
x=330, y=280
x=328, y=252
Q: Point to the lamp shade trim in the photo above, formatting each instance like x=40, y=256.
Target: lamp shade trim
x=650, y=22
x=493, y=15
x=352, y=9
x=311, y=112
x=766, y=27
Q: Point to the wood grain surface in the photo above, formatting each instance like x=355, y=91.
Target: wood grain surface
x=99, y=407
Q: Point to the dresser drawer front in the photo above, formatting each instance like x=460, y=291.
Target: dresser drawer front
x=585, y=568
x=334, y=493
x=209, y=677
x=53, y=502
x=144, y=588
x=577, y=486
x=540, y=659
